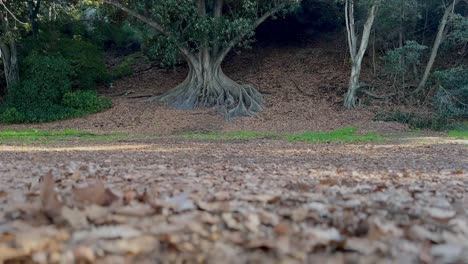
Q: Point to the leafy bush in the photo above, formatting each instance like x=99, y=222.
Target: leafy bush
x=86, y=59
x=11, y=116
x=125, y=68
x=113, y=36
x=46, y=80
x=86, y=101
x=400, y=61
x=45, y=93
x=451, y=100
x=87, y=62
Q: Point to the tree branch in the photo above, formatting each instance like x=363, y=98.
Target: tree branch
x=239, y=38
x=185, y=51
x=11, y=13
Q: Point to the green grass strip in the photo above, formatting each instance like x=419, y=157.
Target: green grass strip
x=341, y=135
x=35, y=135
x=458, y=134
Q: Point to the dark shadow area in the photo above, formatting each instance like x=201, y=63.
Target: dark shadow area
x=309, y=22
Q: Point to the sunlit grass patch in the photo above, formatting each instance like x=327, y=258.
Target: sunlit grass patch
x=342, y=135
x=458, y=134
x=43, y=136
x=233, y=135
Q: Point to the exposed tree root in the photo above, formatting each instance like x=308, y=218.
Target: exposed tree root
x=213, y=89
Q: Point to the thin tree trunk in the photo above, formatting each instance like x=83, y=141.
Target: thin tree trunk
x=357, y=55
x=33, y=13
x=9, y=58
x=435, y=49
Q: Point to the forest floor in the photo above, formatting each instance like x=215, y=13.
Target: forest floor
x=156, y=196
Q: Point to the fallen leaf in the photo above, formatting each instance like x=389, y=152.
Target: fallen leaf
x=135, y=246
x=95, y=193
x=439, y=214
x=74, y=217
x=252, y=222
x=178, y=203
x=107, y=232
x=281, y=229
x=50, y=203
x=84, y=254
x=447, y=253
x=379, y=228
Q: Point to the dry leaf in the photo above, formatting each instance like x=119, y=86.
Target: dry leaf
x=50, y=202
x=135, y=246
x=74, y=217
x=107, y=232
x=95, y=193
x=439, y=214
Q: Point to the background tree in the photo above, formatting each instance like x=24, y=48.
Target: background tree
x=357, y=54
x=204, y=32
x=449, y=12
x=9, y=26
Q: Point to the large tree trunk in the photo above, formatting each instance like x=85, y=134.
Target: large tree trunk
x=207, y=86
x=9, y=58
x=356, y=55
x=435, y=49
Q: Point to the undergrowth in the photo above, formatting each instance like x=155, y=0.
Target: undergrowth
x=342, y=135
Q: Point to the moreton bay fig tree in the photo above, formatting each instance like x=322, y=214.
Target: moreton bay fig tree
x=204, y=32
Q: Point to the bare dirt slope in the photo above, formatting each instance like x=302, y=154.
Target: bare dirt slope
x=303, y=88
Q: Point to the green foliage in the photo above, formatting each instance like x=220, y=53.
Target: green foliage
x=114, y=35
x=86, y=60
x=45, y=93
x=45, y=80
x=459, y=32
x=86, y=101
x=164, y=50
x=341, y=135
x=41, y=136
x=400, y=61
x=123, y=69
x=451, y=100
x=11, y=116
x=186, y=27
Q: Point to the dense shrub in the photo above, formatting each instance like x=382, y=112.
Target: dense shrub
x=451, y=100
x=405, y=60
x=86, y=101
x=87, y=62
x=45, y=93
x=123, y=69
x=45, y=80
x=86, y=59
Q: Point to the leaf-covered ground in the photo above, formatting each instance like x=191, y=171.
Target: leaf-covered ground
x=120, y=193
x=179, y=200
